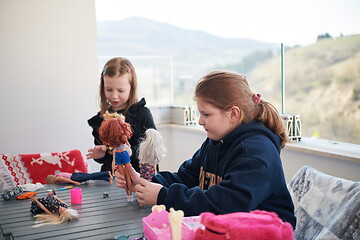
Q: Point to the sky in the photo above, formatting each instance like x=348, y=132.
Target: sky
x=278, y=21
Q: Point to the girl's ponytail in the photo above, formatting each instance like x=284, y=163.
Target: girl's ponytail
x=269, y=117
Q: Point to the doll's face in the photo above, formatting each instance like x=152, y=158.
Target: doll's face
x=117, y=91
x=51, y=180
x=216, y=122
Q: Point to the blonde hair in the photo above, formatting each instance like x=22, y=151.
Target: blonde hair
x=226, y=89
x=117, y=67
x=49, y=219
x=151, y=148
x=49, y=178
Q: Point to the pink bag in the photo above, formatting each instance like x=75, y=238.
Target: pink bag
x=255, y=225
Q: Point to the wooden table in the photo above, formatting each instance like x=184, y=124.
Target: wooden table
x=99, y=217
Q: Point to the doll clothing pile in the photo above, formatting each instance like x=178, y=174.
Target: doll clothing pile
x=13, y=193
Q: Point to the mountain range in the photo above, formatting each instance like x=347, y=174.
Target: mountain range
x=138, y=36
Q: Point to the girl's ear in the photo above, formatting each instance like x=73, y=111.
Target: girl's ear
x=235, y=114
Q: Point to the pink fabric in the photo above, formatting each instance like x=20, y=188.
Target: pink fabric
x=64, y=175
x=256, y=225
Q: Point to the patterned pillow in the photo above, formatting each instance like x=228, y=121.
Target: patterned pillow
x=32, y=168
x=13, y=171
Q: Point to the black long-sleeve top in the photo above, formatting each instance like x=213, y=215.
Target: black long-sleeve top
x=140, y=119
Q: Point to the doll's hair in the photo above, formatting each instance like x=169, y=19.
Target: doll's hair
x=226, y=89
x=117, y=67
x=151, y=148
x=49, y=178
x=115, y=131
x=49, y=219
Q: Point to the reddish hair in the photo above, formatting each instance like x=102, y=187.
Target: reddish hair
x=226, y=89
x=115, y=131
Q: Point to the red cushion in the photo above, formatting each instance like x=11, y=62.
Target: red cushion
x=33, y=168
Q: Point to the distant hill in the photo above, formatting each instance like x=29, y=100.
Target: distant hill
x=141, y=36
x=322, y=85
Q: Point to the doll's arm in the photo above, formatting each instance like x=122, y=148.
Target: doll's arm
x=58, y=178
x=40, y=205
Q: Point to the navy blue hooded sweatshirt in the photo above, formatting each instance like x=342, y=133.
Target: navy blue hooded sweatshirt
x=240, y=173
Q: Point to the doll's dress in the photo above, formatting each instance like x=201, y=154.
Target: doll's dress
x=49, y=202
x=147, y=171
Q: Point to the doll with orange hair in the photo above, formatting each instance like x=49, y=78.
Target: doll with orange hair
x=115, y=132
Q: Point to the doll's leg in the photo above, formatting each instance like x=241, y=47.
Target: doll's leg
x=113, y=166
x=81, y=177
x=121, y=170
x=128, y=179
x=103, y=175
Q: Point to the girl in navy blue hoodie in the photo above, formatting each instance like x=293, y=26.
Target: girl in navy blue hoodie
x=238, y=167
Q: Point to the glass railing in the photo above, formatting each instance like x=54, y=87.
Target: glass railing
x=318, y=82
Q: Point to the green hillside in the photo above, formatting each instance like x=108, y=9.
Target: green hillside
x=322, y=85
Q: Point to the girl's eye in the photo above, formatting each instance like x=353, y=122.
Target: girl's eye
x=206, y=115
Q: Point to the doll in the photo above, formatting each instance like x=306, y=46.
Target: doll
x=79, y=177
x=51, y=210
x=115, y=133
x=151, y=152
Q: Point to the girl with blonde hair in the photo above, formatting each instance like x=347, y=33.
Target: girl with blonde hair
x=118, y=94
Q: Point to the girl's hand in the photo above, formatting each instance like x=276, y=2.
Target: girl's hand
x=147, y=192
x=121, y=182
x=97, y=152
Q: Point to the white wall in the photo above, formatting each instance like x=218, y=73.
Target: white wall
x=48, y=75
x=293, y=160
x=181, y=143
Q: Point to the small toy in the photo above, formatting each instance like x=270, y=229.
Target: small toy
x=60, y=189
x=105, y=195
x=160, y=224
x=65, y=188
x=115, y=132
x=175, y=218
